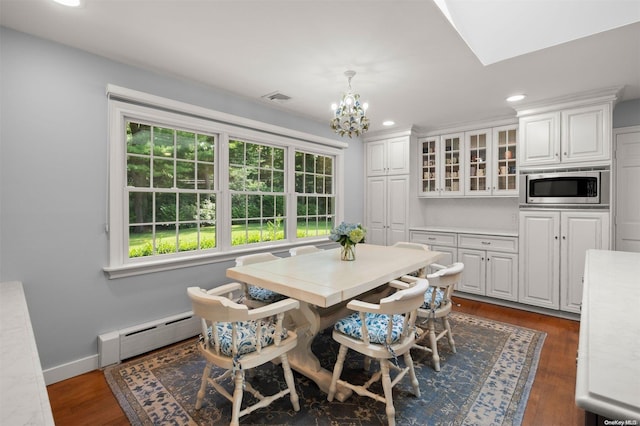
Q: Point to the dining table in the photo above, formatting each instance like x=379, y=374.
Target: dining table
x=324, y=284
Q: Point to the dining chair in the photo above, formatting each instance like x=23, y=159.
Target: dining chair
x=255, y=296
x=382, y=331
x=236, y=339
x=437, y=304
x=304, y=250
x=415, y=246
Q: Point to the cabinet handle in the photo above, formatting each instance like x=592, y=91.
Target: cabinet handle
x=431, y=238
x=486, y=243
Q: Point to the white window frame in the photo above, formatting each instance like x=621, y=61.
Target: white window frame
x=125, y=104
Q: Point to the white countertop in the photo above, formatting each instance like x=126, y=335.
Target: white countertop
x=608, y=374
x=459, y=230
x=23, y=394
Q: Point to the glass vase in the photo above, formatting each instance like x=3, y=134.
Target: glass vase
x=348, y=252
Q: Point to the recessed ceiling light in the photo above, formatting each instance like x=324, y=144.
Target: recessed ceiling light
x=70, y=3
x=516, y=98
x=388, y=123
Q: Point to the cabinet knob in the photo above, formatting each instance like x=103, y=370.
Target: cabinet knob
x=556, y=237
x=564, y=153
x=564, y=237
x=556, y=154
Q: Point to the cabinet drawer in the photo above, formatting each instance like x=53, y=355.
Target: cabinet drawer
x=431, y=238
x=488, y=242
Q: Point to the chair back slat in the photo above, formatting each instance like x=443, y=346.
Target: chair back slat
x=250, y=259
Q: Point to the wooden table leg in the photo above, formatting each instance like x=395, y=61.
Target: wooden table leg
x=302, y=359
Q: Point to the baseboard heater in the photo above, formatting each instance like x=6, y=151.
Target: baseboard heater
x=119, y=345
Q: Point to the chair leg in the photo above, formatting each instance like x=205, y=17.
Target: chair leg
x=408, y=361
x=434, y=344
x=203, y=386
x=288, y=377
x=237, y=398
x=388, y=391
x=447, y=326
x=337, y=371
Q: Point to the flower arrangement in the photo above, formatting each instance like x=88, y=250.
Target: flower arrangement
x=348, y=235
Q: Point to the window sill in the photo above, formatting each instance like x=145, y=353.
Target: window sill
x=153, y=266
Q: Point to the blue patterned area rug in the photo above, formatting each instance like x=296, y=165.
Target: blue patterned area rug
x=487, y=382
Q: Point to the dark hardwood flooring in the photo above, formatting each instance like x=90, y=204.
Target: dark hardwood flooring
x=88, y=400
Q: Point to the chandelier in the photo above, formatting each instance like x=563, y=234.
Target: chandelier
x=349, y=117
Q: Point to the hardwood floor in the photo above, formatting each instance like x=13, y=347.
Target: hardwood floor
x=87, y=399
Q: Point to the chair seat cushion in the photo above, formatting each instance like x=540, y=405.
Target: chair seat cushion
x=264, y=295
x=376, y=326
x=429, y=294
x=247, y=336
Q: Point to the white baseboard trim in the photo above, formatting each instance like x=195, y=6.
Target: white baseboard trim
x=71, y=369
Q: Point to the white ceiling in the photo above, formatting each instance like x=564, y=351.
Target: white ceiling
x=412, y=65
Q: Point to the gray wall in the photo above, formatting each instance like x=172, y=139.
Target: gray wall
x=53, y=181
x=626, y=114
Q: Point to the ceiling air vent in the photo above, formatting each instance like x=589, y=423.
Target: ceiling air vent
x=276, y=97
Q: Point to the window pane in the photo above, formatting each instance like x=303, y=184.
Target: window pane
x=165, y=207
x=186, y=145
x=140, y=207
x=188, y=237
x=309, y=163
x=188, y=207
x=165, y=241
x=163, y=142
x=299, y=161
x=206, y=146
x=299, y=183
x=138, y=138
x=138, y=171
x=278, y=181
x=207, y=237
x=236, y=152
x=280, y=206
x=205, y=176
x=252, y=154
x=185, y=173
x=238, y=206
x=162, y=173
x=140, y=241
x=278, y=158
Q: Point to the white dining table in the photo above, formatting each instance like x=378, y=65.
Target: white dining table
x=323, y=283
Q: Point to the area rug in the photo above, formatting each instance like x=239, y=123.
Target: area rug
x=486, y=382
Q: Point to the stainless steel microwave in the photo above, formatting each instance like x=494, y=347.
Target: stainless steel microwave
x=565, y=188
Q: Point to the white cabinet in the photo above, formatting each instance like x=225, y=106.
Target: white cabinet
x=490, y=265
x=441, y=166
x=387, y=209
x=566, y=136
x=388, y=157
x=386, y=214
x=445, y=242
x=491, y=158
x=553, y=245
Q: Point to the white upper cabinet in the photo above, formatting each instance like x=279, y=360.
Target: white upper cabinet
x=570, y=133
x=442, y=166
x=388, y=157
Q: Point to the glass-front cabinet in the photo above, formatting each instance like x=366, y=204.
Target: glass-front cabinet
x=505, y=156
x=479, y=165
x=441, y=159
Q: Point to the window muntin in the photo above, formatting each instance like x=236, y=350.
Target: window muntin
x=315, y=197
x=257, y=186
x=171, y=189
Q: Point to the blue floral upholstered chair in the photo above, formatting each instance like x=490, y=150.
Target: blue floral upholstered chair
x=236, y=338
x=437, y=304
x=382, y=331
x=296, y=251
x=255, y=296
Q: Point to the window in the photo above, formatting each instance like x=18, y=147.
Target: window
x=170, y=187
x=187, y=189
x=315, y=199
x=257, y=186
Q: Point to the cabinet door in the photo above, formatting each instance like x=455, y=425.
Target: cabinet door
x=586, y=134
x=502, y=275
x=505, y=157
x=539, y=272
x=397, y=209
x=376, y=210
x=429, y=166
x=540, y=137
x=450, y=254
x=580, y=232
x=473, y=275
x=452, y=160
x=398, y=156
x=478, y=157
x=376, y=158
